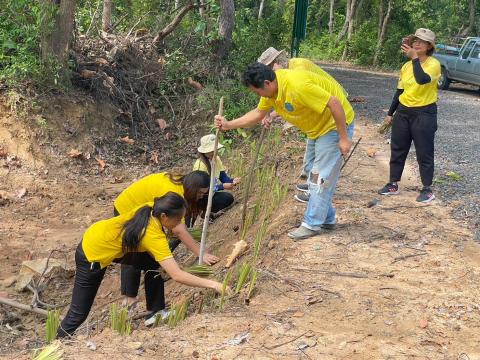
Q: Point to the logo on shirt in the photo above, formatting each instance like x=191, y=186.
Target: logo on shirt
x=288, y=107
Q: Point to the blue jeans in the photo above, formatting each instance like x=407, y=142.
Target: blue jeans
x=323, y=157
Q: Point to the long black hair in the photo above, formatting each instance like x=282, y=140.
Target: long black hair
x=203, y=158
x=171, y=204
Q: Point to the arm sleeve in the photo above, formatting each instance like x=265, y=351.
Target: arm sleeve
x=421, y=77
x=219, y=187
x=395, y=102
x=224, y=178
x=264, y=104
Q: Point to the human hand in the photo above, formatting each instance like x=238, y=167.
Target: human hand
x=409, y=51
x=237, y=181
x=210, y=259
x=387, y=120
x=228, y=186
x=221, y=122
x=267, y=121
x=218, y=287
x=345, y=145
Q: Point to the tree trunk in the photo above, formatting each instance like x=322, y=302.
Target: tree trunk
x=472, y=6
x=353, y=4
x=107, y=16
x=226, y=23
x=260, y=9
x=383, y=30
x=177, y=4
x=173, y=24
x=381, y=11
x=56, y=29
x=331, y=17
x=343, y=31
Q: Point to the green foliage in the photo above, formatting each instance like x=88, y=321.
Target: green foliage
x=119, y=320
x=51, y=326
x=177, y=314
x=51, y=352
x=243, y=274
x=225, y=284
x=200, y=270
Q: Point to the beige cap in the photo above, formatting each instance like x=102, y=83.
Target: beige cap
x=425, y=35
x=207, y=144
x=269, y=56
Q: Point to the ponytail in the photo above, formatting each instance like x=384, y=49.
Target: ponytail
x=134, y=229
x=171, y=204
x=203, y=158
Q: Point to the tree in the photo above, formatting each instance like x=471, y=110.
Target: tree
x=56, y=30
x=107, y=16
x=382, y=27
x=226, y=23
x=331, y=17
x=348, y=25
x=472, y=7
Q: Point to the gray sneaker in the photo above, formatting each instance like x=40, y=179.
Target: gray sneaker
x=302, y=197
x=301, y=233
x=302, y=187
x=329, y=226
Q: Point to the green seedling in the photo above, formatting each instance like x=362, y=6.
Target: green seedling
x=51, y=326
x=200, y=270
x=243, y=276
x=177, y=314
x=454, y=176
x=225, y=283
x=51, y=352
x=251, y=286
x=119, y=320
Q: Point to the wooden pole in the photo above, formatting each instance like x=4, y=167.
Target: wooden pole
x=18, y=305
x=210, y=192
x=251, y=174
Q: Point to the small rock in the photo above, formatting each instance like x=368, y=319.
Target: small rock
x=135, y=345
x=388, y=322
x=91, y=345
x=196, y=354
x=298, y=314
x=423, y=323
x=372, y=203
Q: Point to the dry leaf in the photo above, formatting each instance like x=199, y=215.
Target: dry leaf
x=87, y=74
x=162, y=61
x=162, y=124
x=371, y=152
x=194, y=84
x=168, y=136
x=154, y=157
x=21, y=193
x=3, y=152
x=298, y=314
x=101, y=61
x=74, y=153
x=101, y=163
x=357, y=99
x=127, y=140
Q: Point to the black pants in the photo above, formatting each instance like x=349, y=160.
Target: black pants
x=130, y=276
x=88, y=278
x=418, y=124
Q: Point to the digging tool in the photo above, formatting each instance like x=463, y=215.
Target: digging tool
x=351, y=153
x=210, y=192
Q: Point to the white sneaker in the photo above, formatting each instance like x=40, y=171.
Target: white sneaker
x=164, y=314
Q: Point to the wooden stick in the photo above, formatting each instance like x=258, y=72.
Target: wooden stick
x=210, y=192
x=23, y=306
x=251, y=174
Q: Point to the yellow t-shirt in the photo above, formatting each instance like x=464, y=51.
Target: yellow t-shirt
x=145, y=190
x=415, y=94
x=199, y=165
x=102, y=241
x=302, y=100
x=305, y=64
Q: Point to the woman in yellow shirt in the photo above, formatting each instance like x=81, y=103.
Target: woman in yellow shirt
x=221, y=199
x=132, y=238
x=192, y=187
x=415, y=108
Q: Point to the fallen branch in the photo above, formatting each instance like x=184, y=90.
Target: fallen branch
x=400, y=258
x=334, y=273
x=21, y=306
x=174, y=23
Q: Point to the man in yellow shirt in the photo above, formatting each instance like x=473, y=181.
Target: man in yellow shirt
x=279, y=60
x=319, y=108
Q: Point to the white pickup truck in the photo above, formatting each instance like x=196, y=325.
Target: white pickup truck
x=460, y=65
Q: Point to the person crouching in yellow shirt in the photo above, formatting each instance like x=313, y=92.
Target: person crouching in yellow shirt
x=319, y=108
x=276, y=60
x=133, y=238
x=193, y=187
x=221, y=199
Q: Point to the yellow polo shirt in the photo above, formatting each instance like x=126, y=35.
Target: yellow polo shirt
x=145, y=190
x=415, y=94
x=305, y=64
x=302, y=100
x=199, y=165
x=102, y=241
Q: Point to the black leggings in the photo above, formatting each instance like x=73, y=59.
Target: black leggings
x=130, y=276
x=418, y=124
x=88, y=278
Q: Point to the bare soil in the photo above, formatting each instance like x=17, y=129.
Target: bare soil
x=398, y=280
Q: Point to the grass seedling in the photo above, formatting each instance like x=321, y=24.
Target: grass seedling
x=200, y=270
x=51, y=352
x=258, y=239
x=119, y=320
x=251, y=286
x=225, y=283
x=51, y=326
x=243, y=276
x=178, y=313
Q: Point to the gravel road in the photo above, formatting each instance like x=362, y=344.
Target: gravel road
x=457, y=140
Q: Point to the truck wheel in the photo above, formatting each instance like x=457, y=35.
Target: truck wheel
x=444, y=81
